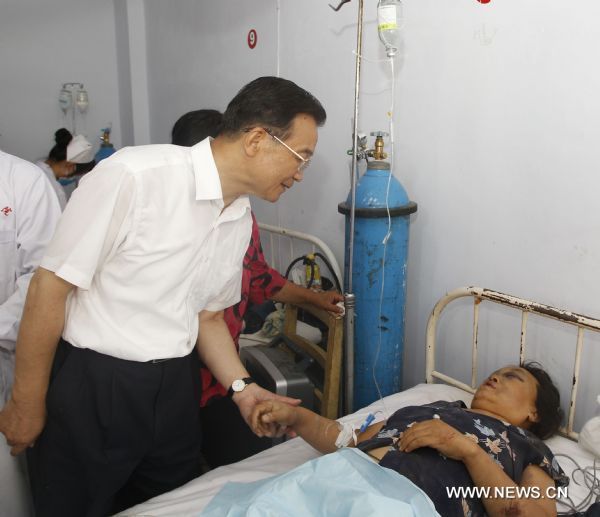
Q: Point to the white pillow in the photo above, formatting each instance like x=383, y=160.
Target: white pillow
x=589, y=438
x=415, y=396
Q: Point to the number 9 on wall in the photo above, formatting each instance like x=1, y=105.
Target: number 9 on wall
x=252, y=38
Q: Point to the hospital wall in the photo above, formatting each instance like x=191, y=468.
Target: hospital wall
x=496, y=125
x=43, y=45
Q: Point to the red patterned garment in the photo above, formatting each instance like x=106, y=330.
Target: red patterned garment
x=260, y=282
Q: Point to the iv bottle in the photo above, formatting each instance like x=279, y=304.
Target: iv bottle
x=389, y=21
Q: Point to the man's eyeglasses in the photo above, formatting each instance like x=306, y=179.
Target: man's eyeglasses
x=304, y=162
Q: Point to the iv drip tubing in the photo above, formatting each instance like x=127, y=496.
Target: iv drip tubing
x=387, y=236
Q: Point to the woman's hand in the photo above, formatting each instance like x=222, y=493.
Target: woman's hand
x=325, y=300
x=272, y=413
x=252, y=396
x=328, y=300
x=440, y=436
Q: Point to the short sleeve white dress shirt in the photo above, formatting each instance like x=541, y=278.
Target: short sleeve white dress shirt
x=147, y=242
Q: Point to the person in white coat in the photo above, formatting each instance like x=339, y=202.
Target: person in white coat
x=29, y=212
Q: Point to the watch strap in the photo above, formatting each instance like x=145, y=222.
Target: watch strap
x=247, y=380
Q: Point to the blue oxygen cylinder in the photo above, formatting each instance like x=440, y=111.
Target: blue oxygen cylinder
x=106, y=148
x=378, y=337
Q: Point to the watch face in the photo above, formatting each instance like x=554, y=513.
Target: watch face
x=238, y=385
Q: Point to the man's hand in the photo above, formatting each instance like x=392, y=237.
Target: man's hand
x=252, y=395
x=23, y=417
x=440, y=436
x=21, y=425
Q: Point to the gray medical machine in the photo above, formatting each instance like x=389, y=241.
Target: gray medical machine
x=280, y=367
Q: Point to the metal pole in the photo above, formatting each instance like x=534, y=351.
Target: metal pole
x=355, y=144
x=349, y=298
x=349, y=301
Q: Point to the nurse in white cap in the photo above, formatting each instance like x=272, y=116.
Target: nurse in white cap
x=63, y=158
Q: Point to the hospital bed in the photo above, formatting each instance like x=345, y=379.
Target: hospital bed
x=193, y=497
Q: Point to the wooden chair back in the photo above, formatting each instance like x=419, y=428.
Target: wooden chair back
x=328, y=358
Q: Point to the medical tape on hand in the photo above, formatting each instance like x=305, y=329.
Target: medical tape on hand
x=347, y=434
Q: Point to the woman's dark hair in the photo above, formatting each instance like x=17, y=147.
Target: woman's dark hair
x=195, y=126
x=62, y=137
x=270, y=102
x=547, y=402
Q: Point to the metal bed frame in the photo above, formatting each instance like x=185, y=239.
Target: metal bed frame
x=315, y=243
x=525, y=306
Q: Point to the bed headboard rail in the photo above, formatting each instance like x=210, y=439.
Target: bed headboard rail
x=295, y=240
x=525, y=306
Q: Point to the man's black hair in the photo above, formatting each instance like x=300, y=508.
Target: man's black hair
x=273, y=103
x=195, y=126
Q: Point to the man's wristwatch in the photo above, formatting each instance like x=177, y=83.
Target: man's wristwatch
x=238, y=385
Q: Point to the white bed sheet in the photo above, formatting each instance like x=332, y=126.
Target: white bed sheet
x=191, y=498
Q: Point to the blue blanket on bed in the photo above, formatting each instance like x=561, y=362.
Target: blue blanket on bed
x=344, y=483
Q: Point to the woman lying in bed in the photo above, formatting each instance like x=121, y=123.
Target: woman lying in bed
x=495, y=443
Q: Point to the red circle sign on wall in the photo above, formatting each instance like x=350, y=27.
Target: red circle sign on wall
x=252, y=38
x=484, y=1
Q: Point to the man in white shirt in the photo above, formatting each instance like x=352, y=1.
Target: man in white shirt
x=147, y=255
x=29, y=212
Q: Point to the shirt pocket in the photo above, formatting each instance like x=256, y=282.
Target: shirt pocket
x=7, y=236
x=228, y=287
x=217, y=288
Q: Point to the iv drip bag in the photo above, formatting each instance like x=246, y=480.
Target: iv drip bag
x=389, y=21
x=81, y=100
x=64, y=100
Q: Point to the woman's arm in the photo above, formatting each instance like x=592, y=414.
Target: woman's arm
x=484, y=471
x=318, y=431
x=267, y=283
x=326, y=300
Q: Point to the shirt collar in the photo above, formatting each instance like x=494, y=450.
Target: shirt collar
x=208, y=182
x=235, y=210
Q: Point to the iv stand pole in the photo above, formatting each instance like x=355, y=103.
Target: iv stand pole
x=349, y=298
